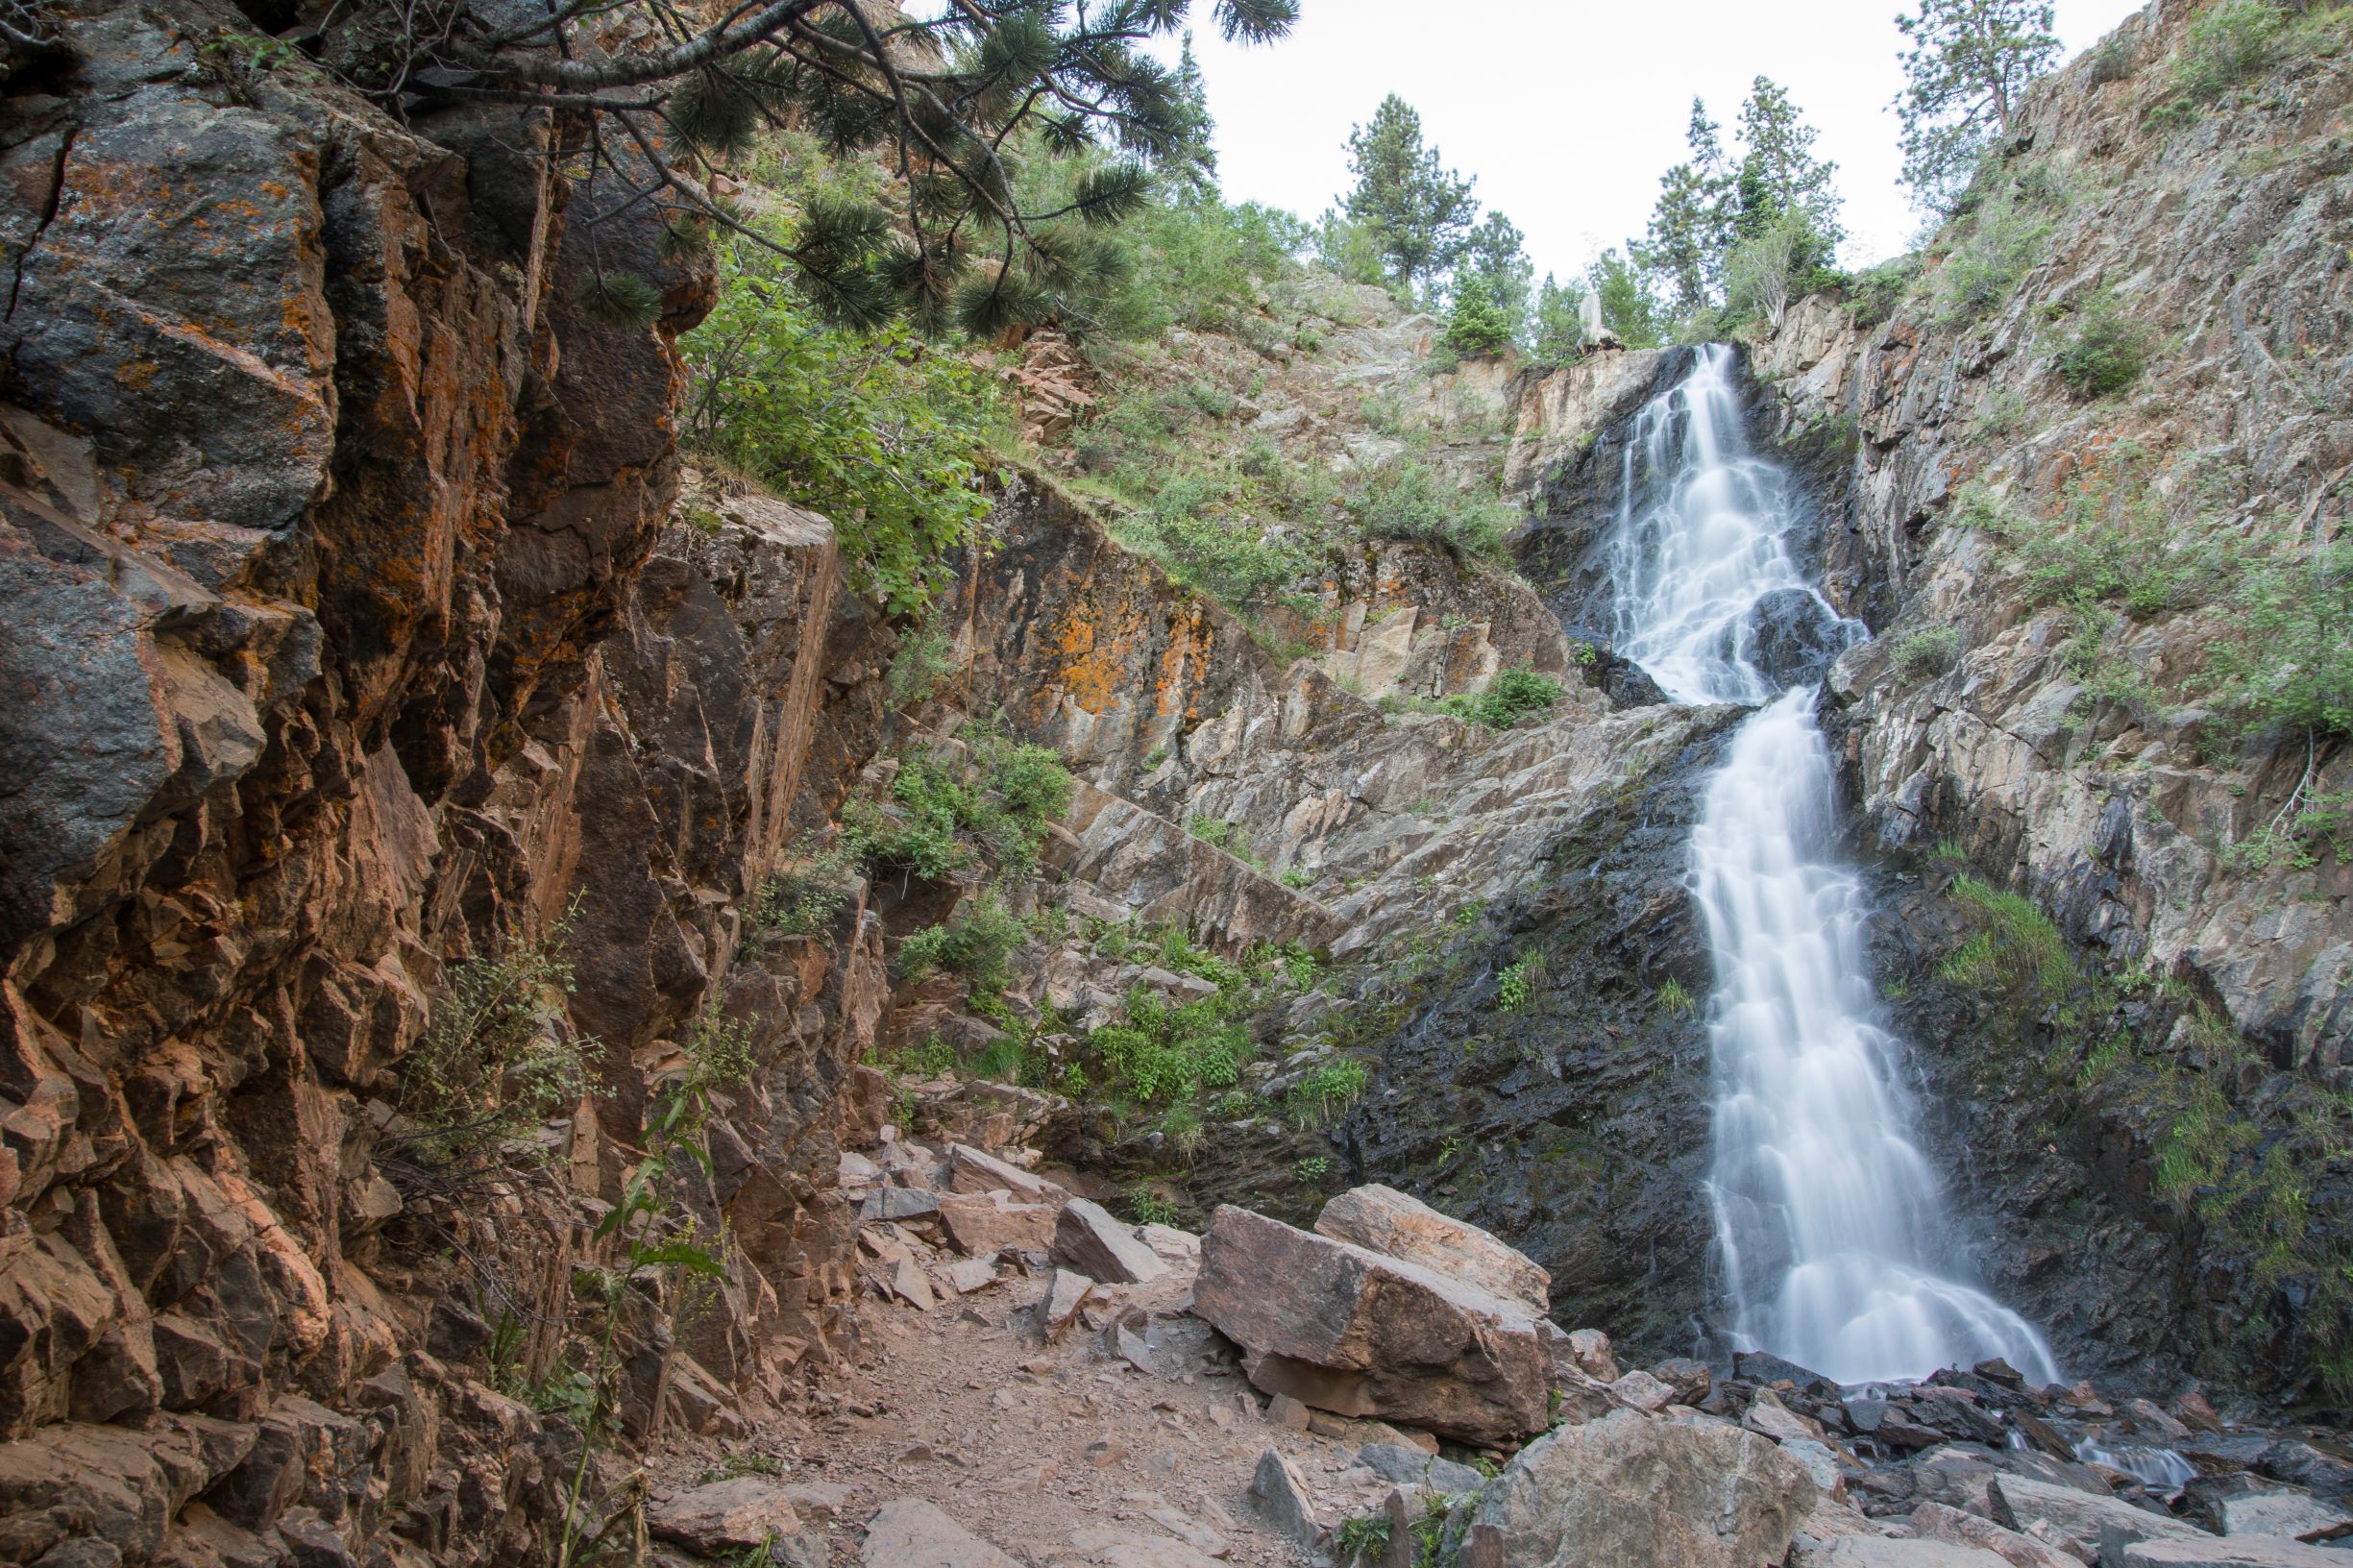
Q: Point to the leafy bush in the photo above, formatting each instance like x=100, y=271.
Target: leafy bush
x=1201, y=528
x=1167, y=1052
x=1405, y=499
x=875, y=429
x=1927, y=652
x=2104, y=354
x=801, y=900
x=1516, y=989
x=975, y=942
x=2288, y=657
x=1514, y=695
x=2113, y=543
x=922, y=658
x=1200, y=262
x=498, y=1058
x=944, y=811
x=1874, y=294
x=2114, y=61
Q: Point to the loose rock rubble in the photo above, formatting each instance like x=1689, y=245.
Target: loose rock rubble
x=1091, y=1393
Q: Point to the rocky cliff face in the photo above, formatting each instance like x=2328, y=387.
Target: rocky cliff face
x=349, y=645
x=2085, y=766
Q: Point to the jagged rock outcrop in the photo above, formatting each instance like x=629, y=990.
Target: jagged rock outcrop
x=347, y=644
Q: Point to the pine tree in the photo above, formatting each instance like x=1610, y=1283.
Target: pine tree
x=1192, y=163
x=1964, y=76
x=1478, y=325
x=1778, y=172
x=1628, y=307
x=1691, y=226
x=1557, y=332
x=946, y=100
x=1494, y=256
x=1417, y=211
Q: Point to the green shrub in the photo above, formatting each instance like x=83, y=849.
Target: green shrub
x=1328, y=1093
x=1200, y=262
x=1929, y=652
x=1168, y=1051
x=975, y=942
x=2114, y=61
x=1202, y=528
x=944, y=811
x=801, y=900
x=1407, y=499
x=1675, y=999
x=1876, y=293
x=2104, y=354
x=2004, y=241
x=498, y=1058
x=2111, y=541
x=875, y=429
x=2287, y=657
x=1514, y=695
x=925, y=655
x=1147, y=1207
x=1516, y=989
x=2230, y=45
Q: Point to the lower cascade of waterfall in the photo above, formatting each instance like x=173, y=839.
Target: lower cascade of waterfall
x=1832, y=1228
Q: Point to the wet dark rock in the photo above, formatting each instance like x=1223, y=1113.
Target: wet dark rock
x=1765, y=1370
x=1793, y=635
x=1520, y=1112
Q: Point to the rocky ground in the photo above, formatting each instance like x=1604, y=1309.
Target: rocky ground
x=1048, y=1386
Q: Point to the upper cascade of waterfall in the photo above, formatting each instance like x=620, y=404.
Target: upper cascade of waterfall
x=1707, y=596
x=1832, y=1228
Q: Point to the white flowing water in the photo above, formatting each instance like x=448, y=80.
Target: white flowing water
x=1831, y=1225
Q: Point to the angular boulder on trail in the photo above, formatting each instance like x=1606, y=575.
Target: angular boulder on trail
x=1634, y=1491
x=1087, y=1238
x=1389, y=1221
x=1361, y=1334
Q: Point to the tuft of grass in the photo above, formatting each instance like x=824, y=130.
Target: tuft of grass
x=1329, y=1093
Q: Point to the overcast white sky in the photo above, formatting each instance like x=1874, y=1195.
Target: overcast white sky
x=1567, y=113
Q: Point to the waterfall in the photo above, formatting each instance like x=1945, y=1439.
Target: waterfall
x=1830, y=1223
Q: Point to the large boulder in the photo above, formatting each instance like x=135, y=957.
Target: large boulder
x=724, y=1517
x=2084, y=1518
x=1087, y=1238
x=1361, y=1334
x=1634, y=1491
x=2228, y=1552
x=1392, y=1222
x=2246, y=1505
x=909, y=1532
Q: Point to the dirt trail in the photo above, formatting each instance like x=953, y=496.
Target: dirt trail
x=1057, y=1453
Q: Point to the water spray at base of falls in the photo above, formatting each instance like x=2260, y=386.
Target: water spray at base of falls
x=1836, y=1247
